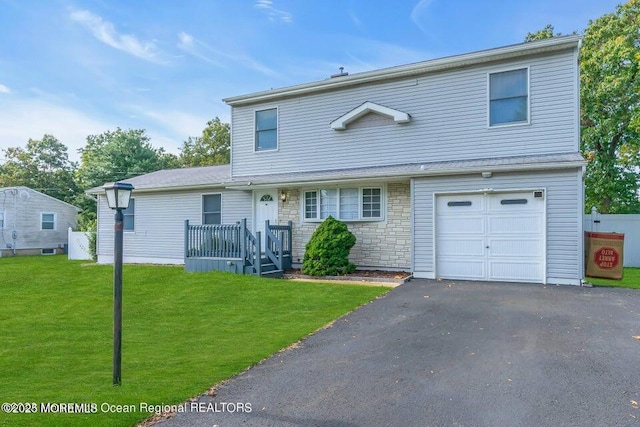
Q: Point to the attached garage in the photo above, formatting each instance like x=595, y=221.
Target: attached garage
x=515, y=226
x=491, y=236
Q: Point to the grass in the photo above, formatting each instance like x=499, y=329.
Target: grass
x=182, y=332
x=630, y=279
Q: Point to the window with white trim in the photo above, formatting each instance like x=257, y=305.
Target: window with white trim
x=509, y=97
x=129, y=216
x=267, y=129
x=346, y=204
x=47, y=221
x=212, y=209
x=371, y=202
x=1, y=220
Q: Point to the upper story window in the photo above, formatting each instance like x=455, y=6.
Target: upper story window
x=509, y=97
x=128, y=216
x=267, y=129
x=212, y=209
x=47, y=221
x=346, y=204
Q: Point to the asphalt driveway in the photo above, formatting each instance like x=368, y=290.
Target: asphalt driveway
x=451, y=354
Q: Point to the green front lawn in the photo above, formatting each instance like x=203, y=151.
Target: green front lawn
x=182, y=333
x=630, y=279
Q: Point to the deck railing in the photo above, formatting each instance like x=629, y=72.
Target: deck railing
x=213, y=241
x=253, y=256
x=235, y=242
x=278, y=244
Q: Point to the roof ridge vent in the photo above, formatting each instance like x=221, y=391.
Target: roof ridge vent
x=342, y=73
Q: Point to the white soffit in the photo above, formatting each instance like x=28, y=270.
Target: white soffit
x=369, y=107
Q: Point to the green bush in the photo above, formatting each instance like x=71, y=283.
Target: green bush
x=327, y=252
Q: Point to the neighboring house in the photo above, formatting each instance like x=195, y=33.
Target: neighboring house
x=465, y=167
x=33, y=223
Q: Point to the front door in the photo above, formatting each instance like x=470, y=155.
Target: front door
x=266, y=209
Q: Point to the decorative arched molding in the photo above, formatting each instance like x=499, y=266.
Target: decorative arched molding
x=369, y=107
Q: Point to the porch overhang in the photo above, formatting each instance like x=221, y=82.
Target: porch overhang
x=407, y=171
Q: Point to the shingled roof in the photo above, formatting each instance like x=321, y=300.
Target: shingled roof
x=167, y=179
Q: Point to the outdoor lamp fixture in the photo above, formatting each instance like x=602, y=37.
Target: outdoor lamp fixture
x=118, y=196
x=283, y=197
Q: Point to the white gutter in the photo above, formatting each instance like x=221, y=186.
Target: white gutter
x=474, y=58
x=173, y=188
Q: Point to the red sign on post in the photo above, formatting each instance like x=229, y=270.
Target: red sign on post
x=606, y=258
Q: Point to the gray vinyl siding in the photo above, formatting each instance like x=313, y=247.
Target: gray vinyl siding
x=159, y=222
x=237, y=205
x=563, y=214
x=448, y=122
x=23, y=214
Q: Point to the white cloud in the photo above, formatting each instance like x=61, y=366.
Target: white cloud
x=199, y=49
x=187, y=43
x=356, y=21
x=272, y=13
x=107, y=34
x=418, y=12
x=4, y=89
x=177, y=122
x=24, y=119
x=169, y=128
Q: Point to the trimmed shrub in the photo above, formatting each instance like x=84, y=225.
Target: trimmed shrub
x=327, y=252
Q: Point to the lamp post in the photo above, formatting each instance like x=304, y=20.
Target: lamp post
x=118, y=196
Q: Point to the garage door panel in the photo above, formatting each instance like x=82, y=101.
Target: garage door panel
x=514, y=271
x=471, y=269
x=524, y=224
x=514, y=202
x=513, y=248
x=461, y=248
x=462, y=225
x=466, y=203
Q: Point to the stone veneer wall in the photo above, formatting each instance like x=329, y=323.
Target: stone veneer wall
x=379, y=244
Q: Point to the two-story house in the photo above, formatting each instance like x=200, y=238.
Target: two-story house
x=464, y=167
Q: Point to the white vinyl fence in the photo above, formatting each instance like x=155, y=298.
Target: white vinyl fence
x=627, y=224
x=78, y=245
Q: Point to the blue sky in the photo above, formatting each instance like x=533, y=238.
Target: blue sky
x=72, y=68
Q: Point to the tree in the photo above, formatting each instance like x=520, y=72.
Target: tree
x=545, y=33
x=42, y=165
x=115, y=156
x=610, y=108
x=610, y=98
x=118, y=155
x=212, y=148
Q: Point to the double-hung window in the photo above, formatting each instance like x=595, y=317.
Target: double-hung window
x=47, y=221
x=212, y=209
x=346, y=204
x=267, y=129
x=128, y=216
x=509, y=97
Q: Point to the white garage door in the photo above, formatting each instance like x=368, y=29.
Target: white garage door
x=494, y=236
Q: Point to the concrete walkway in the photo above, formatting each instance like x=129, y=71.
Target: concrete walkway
x=451, y=354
